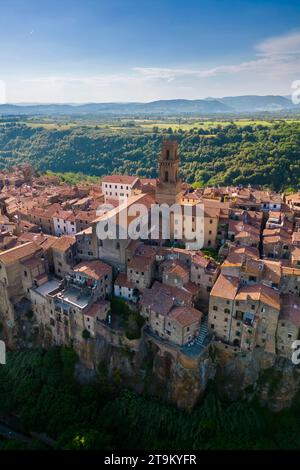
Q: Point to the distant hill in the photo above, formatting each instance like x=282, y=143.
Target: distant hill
x=226, y=105
x=251, y=103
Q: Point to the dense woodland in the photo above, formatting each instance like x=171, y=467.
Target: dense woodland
x=40, y=388
x=267, y=155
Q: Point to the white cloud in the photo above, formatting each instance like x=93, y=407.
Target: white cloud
x=288, y=44
x=275, y=55
x=275, y=65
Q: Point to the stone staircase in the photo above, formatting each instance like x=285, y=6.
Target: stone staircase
x=202, y=333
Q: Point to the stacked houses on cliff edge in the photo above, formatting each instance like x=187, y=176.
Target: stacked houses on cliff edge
x=241, y=288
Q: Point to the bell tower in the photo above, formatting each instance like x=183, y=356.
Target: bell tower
x=168, y=187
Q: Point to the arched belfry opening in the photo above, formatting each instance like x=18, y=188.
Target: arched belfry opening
x=168, y=188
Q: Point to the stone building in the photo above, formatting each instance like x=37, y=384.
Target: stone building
x=125, y=289
x=94, y=275
x=94, y=314
x=67, y=308
x=288, y=329
x=64, y=254
x=140, y=271
x=174, y=273
x=257, y=310
x=34, y=273
x=86, y=243
x=244, y=315
x=221, y=306
x=182, y=325
x=169, y=314
x=204, y=273
x=12, y=276
x=43, y=217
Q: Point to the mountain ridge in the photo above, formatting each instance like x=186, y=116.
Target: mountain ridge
x=227, y=105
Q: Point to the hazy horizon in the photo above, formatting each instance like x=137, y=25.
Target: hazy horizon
x=37, y=103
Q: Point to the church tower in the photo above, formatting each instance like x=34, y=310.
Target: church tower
x=168, y=187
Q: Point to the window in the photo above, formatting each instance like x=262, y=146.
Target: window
x=226, y=310
x=25, y=273
x=215, y=308
x=239, y=315
x=212, y=326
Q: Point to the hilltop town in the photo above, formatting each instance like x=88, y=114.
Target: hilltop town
x=62, y=285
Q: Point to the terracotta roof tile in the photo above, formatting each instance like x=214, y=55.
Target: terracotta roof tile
x=185, y=315
x=18, y=253
x=95, y=269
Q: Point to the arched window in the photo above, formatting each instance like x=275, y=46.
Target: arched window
x=167, y=154
x=166, y=176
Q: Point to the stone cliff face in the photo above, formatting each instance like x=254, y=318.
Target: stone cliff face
x=19, y=328
x=273, y=380
x=155, y=371
x=161, y=371
x=158, y=369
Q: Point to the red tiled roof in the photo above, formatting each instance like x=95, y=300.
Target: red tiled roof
x=225, y=287
x=260, y=292
x=119, y=179
x=123, y=281
x=95, y=269
x=290, y=309
x=185, y=315
x=64, y=243
x=18, y=253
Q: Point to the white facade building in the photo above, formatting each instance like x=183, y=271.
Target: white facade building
x=118, y=188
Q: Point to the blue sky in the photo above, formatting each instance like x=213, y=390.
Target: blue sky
x=130, y=50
